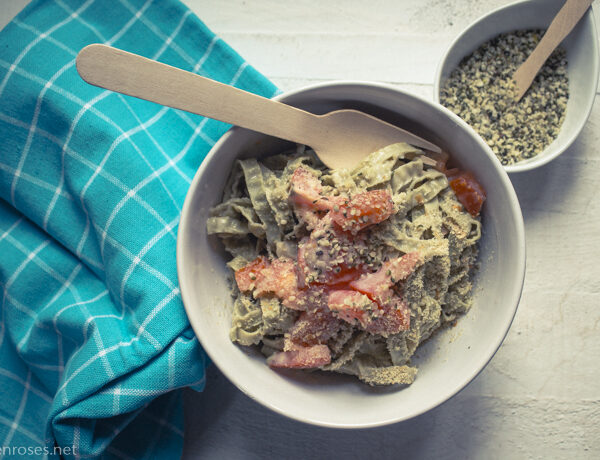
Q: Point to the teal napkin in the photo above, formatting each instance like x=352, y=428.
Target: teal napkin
x=94, y=340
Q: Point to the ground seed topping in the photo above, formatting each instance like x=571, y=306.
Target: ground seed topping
x=480, y=91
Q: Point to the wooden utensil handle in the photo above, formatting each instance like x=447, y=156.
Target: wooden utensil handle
x=134, y=75
x=563, y=23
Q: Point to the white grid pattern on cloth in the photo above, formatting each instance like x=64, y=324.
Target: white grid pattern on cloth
x=36, y=181
x=67, y=281
x=146, y=414
x=172, y=162
x=132, y=257
x=115, y=181
x=82, y=112
x=15, y=423
x=206, y=54
x=171, y=37
x=64, y=286
x=174, y=46
x=197, y=130
x=19, y=380
x=58, y=190
x=79, y=19
x=91, y=103
x=138, y=391
x=105, y=351
x=40, y=98
x=130, y=192
x=138, y=257
x=36, y=114
x=41, y=37
x=20, y=429
x=32, y=256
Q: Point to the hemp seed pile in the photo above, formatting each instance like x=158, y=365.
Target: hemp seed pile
x=480, y=91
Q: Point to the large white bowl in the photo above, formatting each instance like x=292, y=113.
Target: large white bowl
x=447, y=362
x=581, y=46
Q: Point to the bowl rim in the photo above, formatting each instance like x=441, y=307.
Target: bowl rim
x=538, y=160
x=519, y=272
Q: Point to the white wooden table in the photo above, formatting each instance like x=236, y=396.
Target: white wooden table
x=540, y=395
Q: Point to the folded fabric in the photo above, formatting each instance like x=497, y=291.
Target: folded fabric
x=93, y=335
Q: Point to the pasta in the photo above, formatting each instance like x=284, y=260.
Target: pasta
x=349, y=288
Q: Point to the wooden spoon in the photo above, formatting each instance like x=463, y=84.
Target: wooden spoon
x=340, y=138
x=564, y=21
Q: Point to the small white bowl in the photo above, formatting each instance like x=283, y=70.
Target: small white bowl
x=581, y=47
x=447, y=362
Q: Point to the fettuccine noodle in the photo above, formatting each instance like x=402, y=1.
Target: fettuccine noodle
x=256, y=218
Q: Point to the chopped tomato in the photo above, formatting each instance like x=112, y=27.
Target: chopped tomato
x=306, y=190
x=344, y=276
x=349, y=213
x=325, y=265
x=308, y=215
x=279, y=278
x=314, y=326
x=362, y=209
x=309, y=205
x=249, y=276
x=321, y=265
x=468, y=191
x=351, y=306
x=301, y=357
x=392, y=271
x=391, y=317
x=394, y=317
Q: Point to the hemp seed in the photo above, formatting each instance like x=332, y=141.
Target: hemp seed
x=480, y=91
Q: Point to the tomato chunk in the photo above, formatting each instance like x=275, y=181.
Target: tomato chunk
x=352, y=213
x=249, y=276
x=362, y=209
x=306, y=191
x=391, y=317
x=314, y=326
x=326, y=264
x=279, y=278
x=376, y=284
x=395, y=316
x=330, y=256
x=468, y=191
x=301, y=358
x=352, y=306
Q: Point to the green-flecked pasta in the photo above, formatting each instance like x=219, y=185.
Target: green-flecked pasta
x=258, y=219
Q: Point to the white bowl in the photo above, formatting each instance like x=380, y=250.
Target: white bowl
x=447, y=362
x=581, y=47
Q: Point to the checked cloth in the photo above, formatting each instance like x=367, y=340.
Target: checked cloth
x=94, y=340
